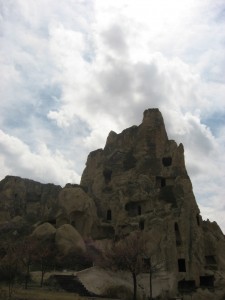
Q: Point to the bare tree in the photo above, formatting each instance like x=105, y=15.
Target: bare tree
x=127, y=254
x=9, y=265
x=27, y=254
x=45, y=256
x=151, y=267
x=152, y=263
x=136, y=253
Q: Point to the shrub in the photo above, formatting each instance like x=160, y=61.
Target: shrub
x=120, y=292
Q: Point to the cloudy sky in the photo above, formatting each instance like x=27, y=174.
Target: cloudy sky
x=72, y=70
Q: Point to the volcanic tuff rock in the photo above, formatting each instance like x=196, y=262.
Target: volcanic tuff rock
x=139, y=172
x=45, y=231
x=27, y=198
x=137, y=182
x=77, y=208
x=26, y=206
x=68, y=240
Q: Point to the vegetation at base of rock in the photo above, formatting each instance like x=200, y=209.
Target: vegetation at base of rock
x=131, y=253
x=18, y=258
x=127, y=254
x=119, y=292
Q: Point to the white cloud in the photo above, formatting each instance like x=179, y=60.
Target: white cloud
x=42, y=165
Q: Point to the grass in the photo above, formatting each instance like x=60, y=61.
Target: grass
x=38, y=294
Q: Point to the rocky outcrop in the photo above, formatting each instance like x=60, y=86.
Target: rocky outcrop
x=44, y=232
x=75, y=207
x=66, y=239
x=37, y=203
x=139, y=182
x=62, y=215
x=27, y=198
x=69, y=241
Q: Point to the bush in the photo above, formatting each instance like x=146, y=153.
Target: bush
x=120, y=292
x=22, y=277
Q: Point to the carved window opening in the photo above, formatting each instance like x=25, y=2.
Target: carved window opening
x=107, y=173
x=210, y=260
x=181, y=265
x=207, y=281
x=109, y=215
x=139, y=209
x=163, y=182
x=160, y=182
x=167, y=161
x=177, y=233
x=186, y=285
x=198, y=219
x=133, y=209
x=142, y=225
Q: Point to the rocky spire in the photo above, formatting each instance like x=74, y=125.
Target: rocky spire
x=139, y=182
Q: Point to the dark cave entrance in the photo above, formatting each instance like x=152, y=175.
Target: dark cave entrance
x=207, y=281
x=160, y=181
x=109, y=215
x=133, y=209
x=181, y=265
x=167, y=161
x=198, y=219
x=107, y=173
x=139, y=209
x=186, y=286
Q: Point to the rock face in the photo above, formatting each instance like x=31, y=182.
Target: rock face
x=139, y=182
x=63, y=215
x=76, y=208
x=26, y=198
x=45, y=231
x=68, y=240
x=39, y=203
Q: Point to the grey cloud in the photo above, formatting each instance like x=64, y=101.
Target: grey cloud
x=117, y=81
x=115, y=39
x=150, y=85
x=197, y=137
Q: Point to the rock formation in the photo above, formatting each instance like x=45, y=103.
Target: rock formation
x=43, y=208
x=45, y=231
x=68, y=240
x=137, y=182
x=76, y=208
x=26, y=198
